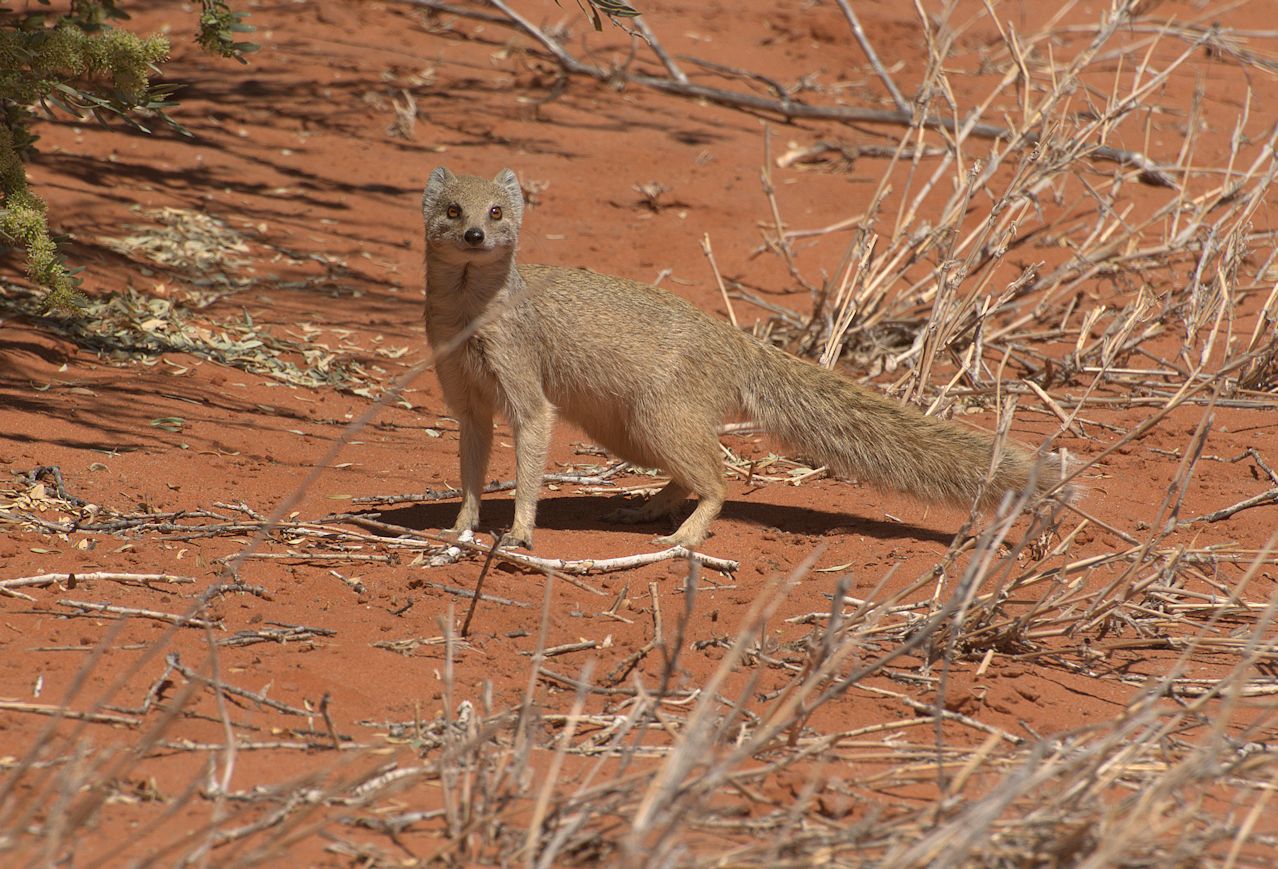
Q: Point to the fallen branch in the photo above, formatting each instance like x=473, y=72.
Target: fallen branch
x=277, y=745
x=230, y=690
x=62, y=712
x=584, y=566
x=788, y=108
x=394, y=823
x=566, y=648
x=60, y=488
x=132, y=612
x=468, y=593
x=71, y=578
x=1269, y=497
x=280, y=634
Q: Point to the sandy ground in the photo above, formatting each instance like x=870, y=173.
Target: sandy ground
x=291, y=215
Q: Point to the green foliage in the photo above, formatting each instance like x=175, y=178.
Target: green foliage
x=22, y=220
x=81, y=64
x=217, y=26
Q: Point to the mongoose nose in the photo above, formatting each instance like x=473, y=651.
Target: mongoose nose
x=474, y=236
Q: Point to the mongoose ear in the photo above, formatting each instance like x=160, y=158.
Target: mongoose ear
x=507, y=181
x=439, y=179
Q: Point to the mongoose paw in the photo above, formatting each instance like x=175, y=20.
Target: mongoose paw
x=686, y=541
x=511, y=540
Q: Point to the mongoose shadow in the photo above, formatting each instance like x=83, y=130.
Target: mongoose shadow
x=582, y=513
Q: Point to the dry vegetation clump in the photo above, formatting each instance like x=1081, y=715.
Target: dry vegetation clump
x=1035, y=283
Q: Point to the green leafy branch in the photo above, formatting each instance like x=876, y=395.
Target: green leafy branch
x=218, y=24
x=81, y=64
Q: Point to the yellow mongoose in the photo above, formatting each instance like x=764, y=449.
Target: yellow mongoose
x=649, y=376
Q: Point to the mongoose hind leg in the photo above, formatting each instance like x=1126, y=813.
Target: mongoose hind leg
x=696, y=466
x=664, y=503
x=693, y=530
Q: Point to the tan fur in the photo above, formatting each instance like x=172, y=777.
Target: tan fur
x=649, y=376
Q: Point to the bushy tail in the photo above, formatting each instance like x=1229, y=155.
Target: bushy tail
x=861, y=434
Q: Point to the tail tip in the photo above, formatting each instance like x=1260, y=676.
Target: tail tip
x=1054, y=478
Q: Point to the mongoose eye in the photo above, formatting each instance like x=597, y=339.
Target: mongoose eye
x=495, y=212
x=454, y=211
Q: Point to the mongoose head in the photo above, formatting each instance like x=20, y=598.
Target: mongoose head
x=471, y=219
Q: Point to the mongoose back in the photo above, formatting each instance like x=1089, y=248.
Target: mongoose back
x=650, y=377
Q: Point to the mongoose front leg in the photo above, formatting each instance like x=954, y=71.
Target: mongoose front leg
x=476, y=431
x=532, y=441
